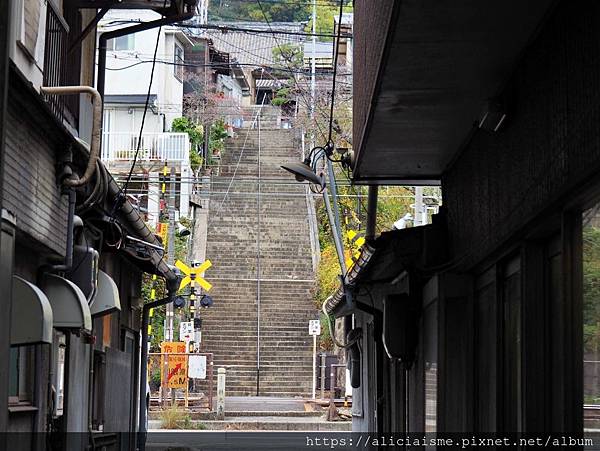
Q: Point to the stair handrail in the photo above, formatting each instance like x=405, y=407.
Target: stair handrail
x=254, y=121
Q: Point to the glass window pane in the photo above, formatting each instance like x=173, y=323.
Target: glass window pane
x=511, y=291
x=591, y=317
x=14, y=372
x=123, y=42
x=178, y=62
x=486, y=352
x=430, y=354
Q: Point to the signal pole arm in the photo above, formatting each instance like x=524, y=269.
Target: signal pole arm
x=144, y=367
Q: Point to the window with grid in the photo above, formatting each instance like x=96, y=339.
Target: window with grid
x=178, y=62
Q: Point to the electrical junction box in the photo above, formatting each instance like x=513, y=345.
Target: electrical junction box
x=84, y=273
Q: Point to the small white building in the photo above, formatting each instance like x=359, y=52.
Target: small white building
x=323, y=54
x=128, y=73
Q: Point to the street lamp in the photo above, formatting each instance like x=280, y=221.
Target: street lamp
x=303, y=172
x=307, y=171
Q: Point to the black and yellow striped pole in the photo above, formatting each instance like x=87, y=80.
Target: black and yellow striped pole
x=151, y=311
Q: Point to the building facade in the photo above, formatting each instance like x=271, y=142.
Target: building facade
x=73, y=248
x=483, y=321
x=127, y=77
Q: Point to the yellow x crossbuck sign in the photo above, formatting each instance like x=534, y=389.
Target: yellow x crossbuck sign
x=192, y=275
x=355, y=241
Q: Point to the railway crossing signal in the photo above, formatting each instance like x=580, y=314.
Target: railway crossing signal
x=355, y=241
x=192, y=275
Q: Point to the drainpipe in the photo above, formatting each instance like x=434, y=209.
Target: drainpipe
x=371, y=212
x=139, y=227
x=96, y=128
x=74, y=181
x=143, y=367
x=104, y=37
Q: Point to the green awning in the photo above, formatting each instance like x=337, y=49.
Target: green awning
x=69, y=305
x=31, y=314
x=107, y=296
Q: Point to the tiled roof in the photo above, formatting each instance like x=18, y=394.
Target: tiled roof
x=253, y=48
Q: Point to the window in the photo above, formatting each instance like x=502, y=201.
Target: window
x=486, y=331
x=29, y=25
x=430, y=338
x=511, y=307
x=21, y=369
x=591, y=315
x=99, y=388
x=126, y=42
x=178, y=62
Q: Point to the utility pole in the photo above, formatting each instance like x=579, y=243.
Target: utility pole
x=169, y=336
x=313, y=70
x=420, y=218
x=203, y=16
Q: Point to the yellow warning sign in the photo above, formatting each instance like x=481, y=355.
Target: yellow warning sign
x=162, y=228
x=192, y=275
x=175, y=371
x=355, y=242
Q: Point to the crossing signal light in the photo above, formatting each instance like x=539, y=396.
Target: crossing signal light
x=179, y=302
x=206, y=301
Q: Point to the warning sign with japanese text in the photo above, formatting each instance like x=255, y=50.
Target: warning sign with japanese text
x=174, y=364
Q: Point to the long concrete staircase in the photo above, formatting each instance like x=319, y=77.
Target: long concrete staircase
x=260, y=245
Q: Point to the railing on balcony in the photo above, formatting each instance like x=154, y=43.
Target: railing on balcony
x=170, y=147
x=55, y=56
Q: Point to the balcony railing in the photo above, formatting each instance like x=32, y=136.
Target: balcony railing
x=62, y=68
x=55, y=56
x=153, y=147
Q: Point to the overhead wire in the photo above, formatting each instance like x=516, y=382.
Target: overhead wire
x=139, y=143
x=335, y=60
x=258, y=112
x=307, y=103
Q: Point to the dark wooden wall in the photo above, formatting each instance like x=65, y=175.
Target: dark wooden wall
x=547, y=146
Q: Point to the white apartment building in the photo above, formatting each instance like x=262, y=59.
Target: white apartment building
x=128, y=73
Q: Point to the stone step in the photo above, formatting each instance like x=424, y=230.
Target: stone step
x=230, y=326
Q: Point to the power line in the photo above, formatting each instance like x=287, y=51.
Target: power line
x=325, y=72
x=308, y=105
x=297, y=2
x=226, y=28
x=139, y=143
x=335, y=60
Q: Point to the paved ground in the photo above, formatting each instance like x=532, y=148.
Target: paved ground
x=262, y=404
x=263, y=414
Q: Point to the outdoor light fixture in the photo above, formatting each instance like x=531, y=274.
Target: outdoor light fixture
x=182, y=230
x=347, y=159
x=303, y=172
x=493, y=116
x=307, y=171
